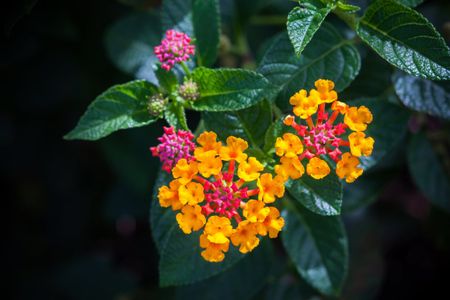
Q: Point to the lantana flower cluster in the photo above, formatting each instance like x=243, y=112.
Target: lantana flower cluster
x=174, y=48
x=174, y=145
x=325, y=137
x=223, y=192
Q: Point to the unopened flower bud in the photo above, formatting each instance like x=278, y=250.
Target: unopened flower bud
x=156, y=105
x=189, y=90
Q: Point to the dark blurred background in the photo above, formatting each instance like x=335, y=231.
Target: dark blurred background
x=77, y=212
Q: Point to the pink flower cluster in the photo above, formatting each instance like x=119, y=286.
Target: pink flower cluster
x=174, y=146
x=174, y=48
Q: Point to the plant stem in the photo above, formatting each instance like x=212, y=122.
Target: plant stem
x=185, y=69
x=276, y=111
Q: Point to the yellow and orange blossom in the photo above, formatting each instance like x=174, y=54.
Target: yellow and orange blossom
x=272, y=224
x=304, y=106
x=270, y=188
x=191, y=218
x=245, y=236
x=317, y=168
x=234, y=150
x=347, y=168
x=289, y=145
x=358, y=118
x=321, y=133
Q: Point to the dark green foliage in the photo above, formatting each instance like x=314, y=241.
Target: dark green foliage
x=327, y=56
x=405, y=39
x=236, y=100
x=318, y=247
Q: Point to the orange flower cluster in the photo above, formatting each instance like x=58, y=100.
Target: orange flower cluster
x=314, y=141
x=213, y=191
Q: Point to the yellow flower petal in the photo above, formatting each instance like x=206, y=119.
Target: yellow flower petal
x=317, y=168
x=270, y=188
x=191, y=218
x=360, y=145
x=249, y=171
x=358, y=118
x=347, y=168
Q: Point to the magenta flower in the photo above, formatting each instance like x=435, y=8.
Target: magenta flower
x=174, y=48
x=174, y=146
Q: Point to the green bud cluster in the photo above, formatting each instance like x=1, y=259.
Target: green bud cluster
x=156, y=104
x=189, y=90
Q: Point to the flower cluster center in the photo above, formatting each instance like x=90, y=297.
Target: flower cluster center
x=322, y=138
x=224, y=197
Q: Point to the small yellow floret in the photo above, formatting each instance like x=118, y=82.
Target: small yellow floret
x=191, y=218
x=270, y=187
x=234, y=150
x=290, y=145
x=249, y=171
x=208, y=141
x=245, y=236
x=347, y=168
x=191, y=193
x=317, y=168
x=218, y=229
x=185, y=171
x=289, y=120
x=339, y=106
x=255, y=211
x=290, y=167
x=209, y=163
x=272, y=224
x=213, y=252
x=360, y=145
x=325, y=90
x=304, y=106
x=168, y=196
x=358, y=118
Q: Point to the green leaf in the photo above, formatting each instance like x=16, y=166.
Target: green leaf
x=410, y=3
x=206, y=21
x=373, y=80
x=167, y=80
x=318, y=247
x=304, y=21
x=388, y=128
x=423, y=95
x=180, y=259
x=273, y=132
x=177, y=14
x=176, y=116
x=405, y=39
x=347, y=7
x=363, y=191
x=229, y=89
x=120, y=107
x=130, y=41
x=250, y=124
x=161, y=219
x=254, y=269
x=428, y=172
x=181, y=262
x=323, y=197
x=327, y=56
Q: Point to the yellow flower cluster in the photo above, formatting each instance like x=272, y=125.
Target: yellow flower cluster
x=213, y=192
x=314, y=141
